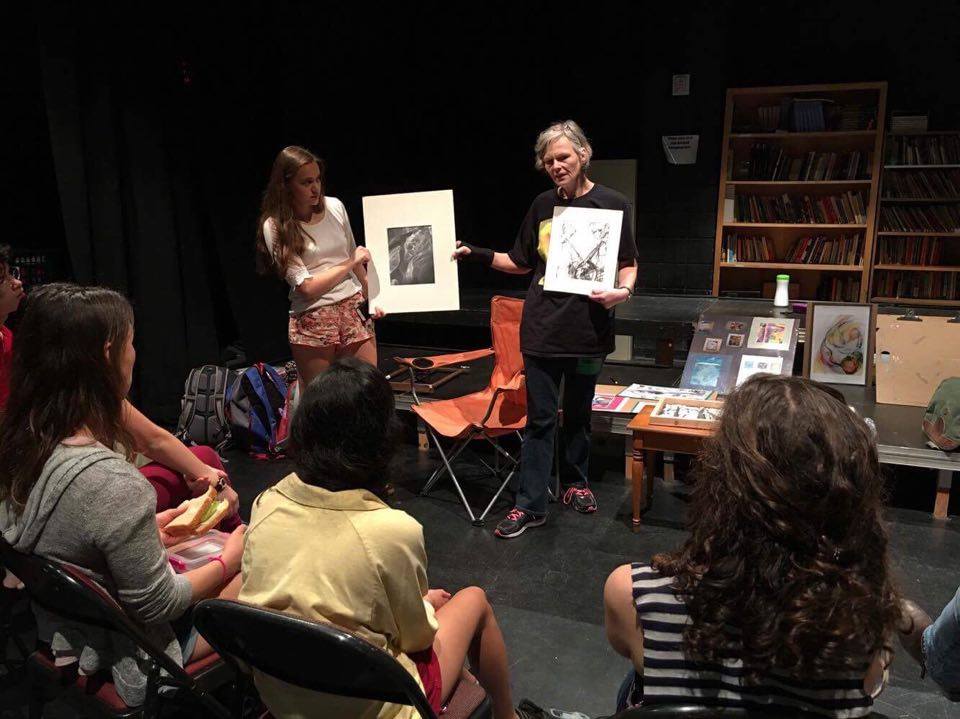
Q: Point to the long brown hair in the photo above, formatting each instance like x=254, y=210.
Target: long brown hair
x=276, y=208
x=62, y=380
x=787, y=541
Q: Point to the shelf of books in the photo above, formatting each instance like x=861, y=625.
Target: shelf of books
x=917, y=258
x=799, y=182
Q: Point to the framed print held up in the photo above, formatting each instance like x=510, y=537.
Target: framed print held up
x=584, y=244
x=411, y=239
x=839, y=347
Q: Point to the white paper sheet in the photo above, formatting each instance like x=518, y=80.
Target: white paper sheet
x=411, y=238
x=584, y=243
x=758, y=364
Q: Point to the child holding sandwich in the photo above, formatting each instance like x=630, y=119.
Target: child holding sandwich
x=66, y=495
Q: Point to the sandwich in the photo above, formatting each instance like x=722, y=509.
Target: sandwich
x=203, y=513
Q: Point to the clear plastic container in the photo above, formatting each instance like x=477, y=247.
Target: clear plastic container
x=198, y=551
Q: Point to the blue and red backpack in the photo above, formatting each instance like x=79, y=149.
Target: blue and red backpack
x=256, y=411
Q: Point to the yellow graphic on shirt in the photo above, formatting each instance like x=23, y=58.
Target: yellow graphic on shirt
x=543, y=241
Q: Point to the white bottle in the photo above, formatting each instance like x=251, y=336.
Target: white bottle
x=782, y=296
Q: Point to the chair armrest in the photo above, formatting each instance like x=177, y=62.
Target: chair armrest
x=434, y=361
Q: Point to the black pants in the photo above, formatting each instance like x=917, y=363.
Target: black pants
x=544, y=375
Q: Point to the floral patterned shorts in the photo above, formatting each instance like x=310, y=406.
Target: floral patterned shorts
x=338, y=324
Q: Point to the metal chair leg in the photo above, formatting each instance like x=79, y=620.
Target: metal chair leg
x=497, y=495
x=438, y=472
x=453, y=477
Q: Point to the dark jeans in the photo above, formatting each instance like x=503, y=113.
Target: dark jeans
x=544, y=374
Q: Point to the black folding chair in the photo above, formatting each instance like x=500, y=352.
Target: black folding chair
x=67, y=592
x=291, y=649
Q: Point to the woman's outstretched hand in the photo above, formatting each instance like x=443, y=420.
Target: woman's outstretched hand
x=461, y=252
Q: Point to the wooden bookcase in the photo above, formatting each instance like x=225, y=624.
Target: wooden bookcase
x=748, y=126
x=906, y=183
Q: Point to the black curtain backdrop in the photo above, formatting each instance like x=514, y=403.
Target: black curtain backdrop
x=129, y=214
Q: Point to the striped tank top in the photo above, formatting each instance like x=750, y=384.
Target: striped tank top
x=669, y=677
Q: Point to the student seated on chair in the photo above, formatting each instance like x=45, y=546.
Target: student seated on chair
x=322, y=545
x=783, y=595
x=175, y=472
x=66, y=495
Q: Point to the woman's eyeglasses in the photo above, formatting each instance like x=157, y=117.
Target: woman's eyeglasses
x=13, y=273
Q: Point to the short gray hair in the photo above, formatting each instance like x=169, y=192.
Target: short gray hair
x=568, y=129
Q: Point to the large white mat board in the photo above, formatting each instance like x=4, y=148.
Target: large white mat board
x=411, y=238
x=584, y=244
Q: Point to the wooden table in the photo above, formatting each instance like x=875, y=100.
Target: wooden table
x=648, y=439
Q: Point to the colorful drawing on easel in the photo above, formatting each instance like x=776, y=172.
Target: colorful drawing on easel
x=770, y=334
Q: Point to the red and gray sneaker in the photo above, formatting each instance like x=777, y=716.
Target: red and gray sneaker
x=581, y=498
x=516, y=523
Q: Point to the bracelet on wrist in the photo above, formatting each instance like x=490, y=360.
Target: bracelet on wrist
x=628, y=289
x=223, y=567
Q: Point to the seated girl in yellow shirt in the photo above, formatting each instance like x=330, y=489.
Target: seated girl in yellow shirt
x=323, y=545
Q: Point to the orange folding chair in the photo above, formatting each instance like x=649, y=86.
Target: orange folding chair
x=499, y=409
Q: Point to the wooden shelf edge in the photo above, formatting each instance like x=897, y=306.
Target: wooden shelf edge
x=921, y=167
x=917, y=234
x=804, y=183
x=799, y=266
x=799, y=135
x=918, y=268
x=920, y=199
x=796, y=226
x=916, y=301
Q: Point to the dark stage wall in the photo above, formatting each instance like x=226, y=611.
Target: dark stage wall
x=162, y=130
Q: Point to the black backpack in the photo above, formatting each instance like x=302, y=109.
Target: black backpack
x=203, y=418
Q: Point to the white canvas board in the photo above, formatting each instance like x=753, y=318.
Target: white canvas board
x=838, y=344
x=758, y=364
x=768, y=333
x=411, y=238
x=584, y=243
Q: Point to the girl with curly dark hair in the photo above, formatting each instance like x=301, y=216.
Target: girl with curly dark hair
x=782, y=597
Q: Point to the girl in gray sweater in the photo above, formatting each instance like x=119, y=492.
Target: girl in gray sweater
x=65, y=495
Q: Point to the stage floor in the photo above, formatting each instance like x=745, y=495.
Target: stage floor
x=546, y=586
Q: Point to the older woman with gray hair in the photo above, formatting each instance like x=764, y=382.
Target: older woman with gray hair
x=563, y=337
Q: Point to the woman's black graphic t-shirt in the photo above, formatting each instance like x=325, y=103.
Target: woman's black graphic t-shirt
x=559, y=324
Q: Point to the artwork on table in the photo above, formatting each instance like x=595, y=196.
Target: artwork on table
x=713, y=344
x=411, y=255
x=838, y=342
x=770, y=334
x=652, y=393
x=584, y=244
x=735, y=340
x=735, y=326
x=706, y=371
x=704, y=326
x=607, y=402
x=411, y=238
x=758, y=364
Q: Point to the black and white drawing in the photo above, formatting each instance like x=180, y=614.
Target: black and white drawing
x=582, y=256
x=411, y=238
x=411, y=255
x=586, y=254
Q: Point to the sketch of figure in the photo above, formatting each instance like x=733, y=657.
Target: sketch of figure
x=586, y=257
x=411, y=255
